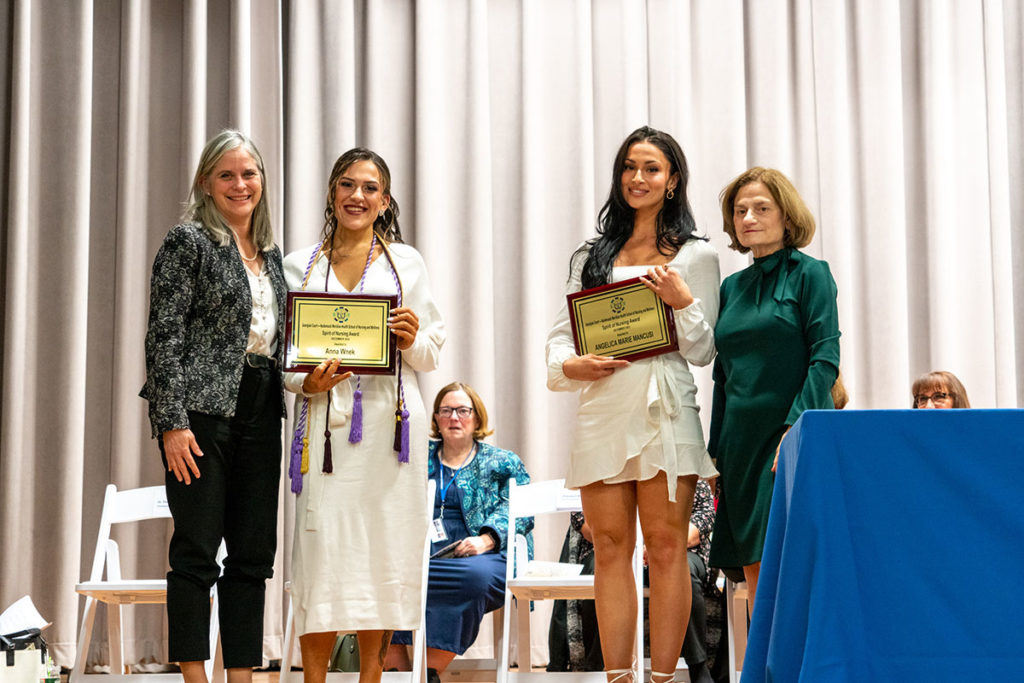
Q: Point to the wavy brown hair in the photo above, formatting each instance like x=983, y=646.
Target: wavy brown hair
x=674, y=224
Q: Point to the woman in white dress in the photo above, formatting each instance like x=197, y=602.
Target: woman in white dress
x=638, y=447
x=359, y=453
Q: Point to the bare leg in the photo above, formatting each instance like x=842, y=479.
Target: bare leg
x=239, y=675
x=398, y=658
x=750, y=573
x=316, y=651
x=439, y=659
x=193, y=672
x=373, y=648
x=665, y=525
x=610, y=511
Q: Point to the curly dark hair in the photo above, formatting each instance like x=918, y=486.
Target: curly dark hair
x=385, y=226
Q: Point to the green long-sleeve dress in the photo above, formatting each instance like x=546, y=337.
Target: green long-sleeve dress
x=778, y=355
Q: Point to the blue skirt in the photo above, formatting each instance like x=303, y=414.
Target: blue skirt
x=460, y=591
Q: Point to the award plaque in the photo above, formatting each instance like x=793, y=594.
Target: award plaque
x=622, y=320
x=350, y=327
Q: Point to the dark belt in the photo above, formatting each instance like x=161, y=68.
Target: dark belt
x=254, y=360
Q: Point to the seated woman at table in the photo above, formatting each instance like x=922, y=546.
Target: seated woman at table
x=471, y=521
x=778, y=355
x=939, y=389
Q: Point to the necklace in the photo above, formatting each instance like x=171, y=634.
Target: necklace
x=241, y=254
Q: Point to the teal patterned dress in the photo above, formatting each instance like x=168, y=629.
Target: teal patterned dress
x=778, y=355
x=461, y=590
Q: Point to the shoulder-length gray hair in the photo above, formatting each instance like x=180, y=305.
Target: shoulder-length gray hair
x=201, y=207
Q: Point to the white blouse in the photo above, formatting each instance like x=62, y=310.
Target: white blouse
x=643, y=418
x=263, y=325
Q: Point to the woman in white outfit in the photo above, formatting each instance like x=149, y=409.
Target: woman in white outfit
x=638, y=446
x=359, y=452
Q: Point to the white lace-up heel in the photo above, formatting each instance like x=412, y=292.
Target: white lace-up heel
x=620, y=675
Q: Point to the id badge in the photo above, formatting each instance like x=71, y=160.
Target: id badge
x=437, y=532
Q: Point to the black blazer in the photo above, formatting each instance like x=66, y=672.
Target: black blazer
x=200, y=310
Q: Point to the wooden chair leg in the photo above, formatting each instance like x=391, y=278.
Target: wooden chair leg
x=84, y=640
x=115, y=639
x=523, y=646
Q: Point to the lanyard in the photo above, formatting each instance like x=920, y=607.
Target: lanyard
x=440, y=474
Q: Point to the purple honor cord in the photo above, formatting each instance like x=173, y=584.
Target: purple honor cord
x=355, y=432
x=299, y=442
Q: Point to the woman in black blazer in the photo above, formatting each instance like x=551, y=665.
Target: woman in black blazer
x=213, y=381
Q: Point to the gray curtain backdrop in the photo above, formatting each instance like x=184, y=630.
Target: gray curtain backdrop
x=900, y=122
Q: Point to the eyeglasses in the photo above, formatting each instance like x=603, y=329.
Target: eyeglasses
x=462, y=411
x=921, y=400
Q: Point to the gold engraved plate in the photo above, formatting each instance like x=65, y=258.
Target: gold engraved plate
x=353, y=328
x=623, y=320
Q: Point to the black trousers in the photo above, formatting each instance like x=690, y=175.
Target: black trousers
x=235, y=498
x=694, y=651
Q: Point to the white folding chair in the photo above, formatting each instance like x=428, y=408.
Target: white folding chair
x=521, y=586
x=419, y=641
x=119, y=507
x=465, y=669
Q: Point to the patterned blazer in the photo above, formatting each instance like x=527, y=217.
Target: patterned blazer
x=200, y=310
x=483, y=484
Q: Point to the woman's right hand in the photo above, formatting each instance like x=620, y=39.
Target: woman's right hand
x=591, y=367
x=180, y=451
x=324, y=377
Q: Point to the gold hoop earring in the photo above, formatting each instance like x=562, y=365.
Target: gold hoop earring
x=671, y=193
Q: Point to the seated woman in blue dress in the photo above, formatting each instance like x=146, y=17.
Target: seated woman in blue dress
x=468, y=532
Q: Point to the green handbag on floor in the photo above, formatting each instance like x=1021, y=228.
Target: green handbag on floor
x=345, y=655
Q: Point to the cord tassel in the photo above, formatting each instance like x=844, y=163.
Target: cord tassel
x=295, y=463
x=328, y=467
x=403, y=453
x=298, y=463
x=397, y=444
x=355, y=433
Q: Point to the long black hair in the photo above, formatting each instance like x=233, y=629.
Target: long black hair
x=385, y=226
x=674, y=224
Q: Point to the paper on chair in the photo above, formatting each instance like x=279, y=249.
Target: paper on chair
x=541, y=568
x=20, y=616
x=568, y=500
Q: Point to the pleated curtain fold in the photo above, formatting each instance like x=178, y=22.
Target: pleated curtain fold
x=899, y=122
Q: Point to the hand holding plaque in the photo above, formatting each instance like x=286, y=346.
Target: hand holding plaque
x=404, y=324
x=624, y=320
x=324, y=377
x=669, y=285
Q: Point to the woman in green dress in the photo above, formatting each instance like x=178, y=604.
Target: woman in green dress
x=778, y=355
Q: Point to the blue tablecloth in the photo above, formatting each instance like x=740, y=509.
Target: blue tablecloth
x=895, y=550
